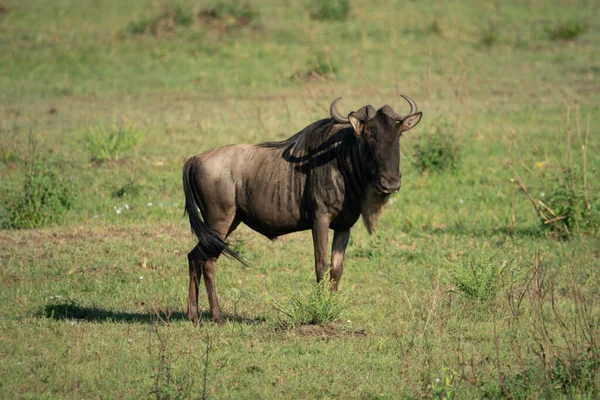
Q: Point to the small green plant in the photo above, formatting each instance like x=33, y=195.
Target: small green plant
x=109, y=143
x=442, y=388
x=332, y=10
x=568, y=30
x=437, y=150
x=477, y=278
x=45, y=197
x=320, y=306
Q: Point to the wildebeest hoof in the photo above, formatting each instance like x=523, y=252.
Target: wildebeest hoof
x=193, y=316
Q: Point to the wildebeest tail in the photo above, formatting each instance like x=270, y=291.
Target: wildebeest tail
x=210, y=242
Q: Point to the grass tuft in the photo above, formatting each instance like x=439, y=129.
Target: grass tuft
x=477, y=278
x=320, y=306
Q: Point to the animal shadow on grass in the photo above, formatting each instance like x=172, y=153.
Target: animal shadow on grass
x=72, y=311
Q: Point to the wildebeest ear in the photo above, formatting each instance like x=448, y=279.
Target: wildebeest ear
x=359, y=117
x=356, y=124
x=411, y=121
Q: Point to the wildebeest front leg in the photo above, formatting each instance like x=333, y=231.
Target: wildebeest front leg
x=338, y=249
x=320, y=231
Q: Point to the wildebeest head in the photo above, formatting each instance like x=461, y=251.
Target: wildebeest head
x=380, y=131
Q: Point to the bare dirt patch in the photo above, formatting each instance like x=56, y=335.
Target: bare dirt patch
x=86, y=233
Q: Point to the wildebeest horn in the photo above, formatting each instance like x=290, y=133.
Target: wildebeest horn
x=413, y=107
x=389, y=111
x=335, y=114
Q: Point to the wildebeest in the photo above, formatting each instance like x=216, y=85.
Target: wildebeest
x=324, y=177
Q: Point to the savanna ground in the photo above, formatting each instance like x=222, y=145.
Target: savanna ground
x=461, y=293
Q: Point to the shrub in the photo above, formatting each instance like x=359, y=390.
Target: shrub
x=235, y=10
x=320, y=306
x=109, y=143
x=568, y=30
x=230, y=14
x=167, y=21
x=477, y=278
x=438, y=150
x=44, y=199
x=333, y=10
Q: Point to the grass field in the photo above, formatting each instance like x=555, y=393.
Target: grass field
x=462, y=292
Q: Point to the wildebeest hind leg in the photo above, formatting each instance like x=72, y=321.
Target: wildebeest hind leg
x=195, y=262
x=338, y=249
x=225, y=225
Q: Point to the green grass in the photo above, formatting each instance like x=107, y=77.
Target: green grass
x=95, y=305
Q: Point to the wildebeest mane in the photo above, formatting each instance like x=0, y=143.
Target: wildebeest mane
x=321, y=143
x=310, y=136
